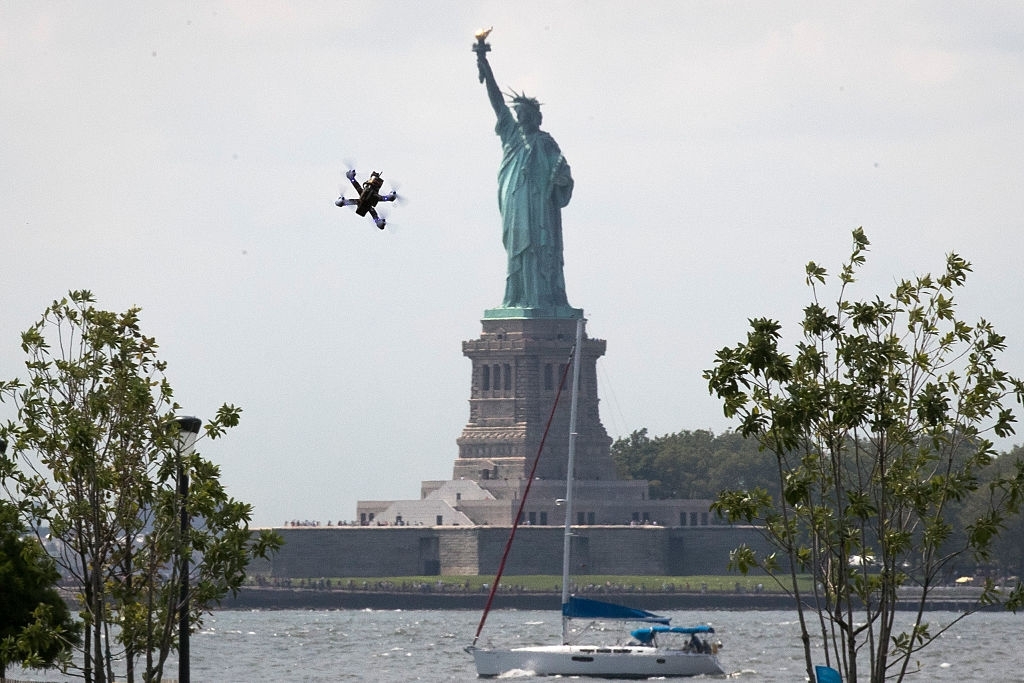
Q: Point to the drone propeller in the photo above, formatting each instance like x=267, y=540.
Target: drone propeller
x=384, y=214
x=393, y=196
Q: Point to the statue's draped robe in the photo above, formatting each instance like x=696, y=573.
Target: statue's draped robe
x=534, y=183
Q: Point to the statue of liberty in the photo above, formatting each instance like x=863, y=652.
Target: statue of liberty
x=534, y=183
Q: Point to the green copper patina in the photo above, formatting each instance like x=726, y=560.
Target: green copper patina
x=534, y=183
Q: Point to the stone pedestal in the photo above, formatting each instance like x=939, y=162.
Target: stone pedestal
x=518, y=364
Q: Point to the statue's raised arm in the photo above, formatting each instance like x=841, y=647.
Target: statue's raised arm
x=481, y=49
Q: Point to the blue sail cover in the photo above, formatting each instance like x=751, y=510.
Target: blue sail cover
x=644, y=635
x=582, y=608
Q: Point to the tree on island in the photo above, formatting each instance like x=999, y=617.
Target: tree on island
x=95, y=458
x=692, y=464
x=36, y=627
x=1008, y=547
x=876, y=426
x=700, y=464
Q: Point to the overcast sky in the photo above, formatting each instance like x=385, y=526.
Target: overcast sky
x=185, y=158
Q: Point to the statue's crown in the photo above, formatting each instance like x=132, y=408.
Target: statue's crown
x=521, y=99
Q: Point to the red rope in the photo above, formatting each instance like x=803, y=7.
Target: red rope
x=522, y=502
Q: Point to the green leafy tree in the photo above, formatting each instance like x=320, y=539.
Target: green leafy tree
x=691, y=464
x=95, y=458
x=737, y=464
x=36, y=627
x=876, y=425
x=634, y=457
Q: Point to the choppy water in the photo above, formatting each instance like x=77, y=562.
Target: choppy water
x=295, y=645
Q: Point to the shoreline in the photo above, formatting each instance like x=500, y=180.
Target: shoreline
x=264, y=598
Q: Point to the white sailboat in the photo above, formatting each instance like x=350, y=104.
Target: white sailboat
x=641, y=657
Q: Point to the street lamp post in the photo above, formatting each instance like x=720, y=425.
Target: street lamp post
x=188, y=432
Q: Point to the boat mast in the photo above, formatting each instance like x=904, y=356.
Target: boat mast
x=522, y=504
x=567, y=540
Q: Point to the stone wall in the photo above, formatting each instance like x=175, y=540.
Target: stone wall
x=346, y=551
x=334, y=552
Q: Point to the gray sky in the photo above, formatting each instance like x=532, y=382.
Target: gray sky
x=185, y=157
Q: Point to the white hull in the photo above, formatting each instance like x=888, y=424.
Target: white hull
x=624, y=661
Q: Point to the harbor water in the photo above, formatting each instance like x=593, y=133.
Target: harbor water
x=415, y=645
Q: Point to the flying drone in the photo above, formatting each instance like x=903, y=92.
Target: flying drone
x=369, y=196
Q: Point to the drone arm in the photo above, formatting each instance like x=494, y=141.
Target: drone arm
x=377, y=220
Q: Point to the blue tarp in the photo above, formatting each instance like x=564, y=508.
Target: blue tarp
x=826, y=674
x=582, y=608
x=644, y=635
